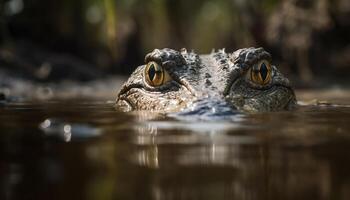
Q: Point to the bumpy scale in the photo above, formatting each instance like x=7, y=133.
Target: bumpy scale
x=173, y=81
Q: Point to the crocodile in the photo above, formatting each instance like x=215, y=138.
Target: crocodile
x=173, y=81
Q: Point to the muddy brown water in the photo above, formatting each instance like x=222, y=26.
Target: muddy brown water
x=86, y=150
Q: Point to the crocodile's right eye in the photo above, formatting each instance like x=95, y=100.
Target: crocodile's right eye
x=261, y=73
x=155, y=75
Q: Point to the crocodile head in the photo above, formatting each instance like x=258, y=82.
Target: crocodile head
x=173, y=81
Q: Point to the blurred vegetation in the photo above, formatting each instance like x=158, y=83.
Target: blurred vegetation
x=307, y=38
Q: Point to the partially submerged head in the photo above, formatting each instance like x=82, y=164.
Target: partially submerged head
x=171, y=81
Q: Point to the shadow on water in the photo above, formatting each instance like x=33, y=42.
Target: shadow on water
x=87, y=150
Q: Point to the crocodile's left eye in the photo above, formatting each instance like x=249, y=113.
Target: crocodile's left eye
x=156, y=75
x=261, y=73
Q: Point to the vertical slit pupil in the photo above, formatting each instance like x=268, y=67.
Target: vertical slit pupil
x=151, y=72
x=263, y=71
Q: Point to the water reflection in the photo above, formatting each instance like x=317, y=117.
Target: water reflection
x=292, y=155
x=66, y=131
x=212, y=143
x=262, y=157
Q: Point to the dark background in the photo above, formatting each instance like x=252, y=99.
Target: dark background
x=88, y=39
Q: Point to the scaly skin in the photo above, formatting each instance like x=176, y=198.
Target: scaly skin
x=218, y=81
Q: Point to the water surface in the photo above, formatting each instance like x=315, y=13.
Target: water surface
x=86, y=150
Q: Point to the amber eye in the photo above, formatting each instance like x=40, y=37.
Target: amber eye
x=155, y=75
x=261, y=73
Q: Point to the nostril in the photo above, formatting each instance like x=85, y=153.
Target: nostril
x=209, y=107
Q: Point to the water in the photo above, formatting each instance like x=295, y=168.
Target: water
x=86, y=150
